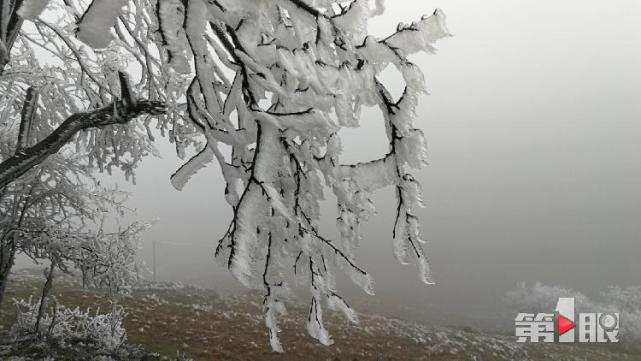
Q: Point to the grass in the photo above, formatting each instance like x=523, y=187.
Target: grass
x=204, y=325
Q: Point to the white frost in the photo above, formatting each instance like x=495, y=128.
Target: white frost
x=31, y=9
x=94, y=28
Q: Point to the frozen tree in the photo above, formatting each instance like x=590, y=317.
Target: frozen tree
x=56, y=213
x=55, y=210
x=264, y=87
x=91, y=84
x=64, y=111
x=107, y=261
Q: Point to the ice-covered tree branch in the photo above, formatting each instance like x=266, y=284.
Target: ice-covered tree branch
x=119, y=112
x=301, y=74
x=268, y=86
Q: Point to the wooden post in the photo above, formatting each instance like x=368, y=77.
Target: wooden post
x=154, y=261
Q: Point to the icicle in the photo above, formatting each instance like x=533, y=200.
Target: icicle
x=420, y=36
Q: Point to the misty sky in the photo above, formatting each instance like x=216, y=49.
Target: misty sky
x=534, y=132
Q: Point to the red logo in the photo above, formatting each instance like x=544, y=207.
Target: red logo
x=565, y=325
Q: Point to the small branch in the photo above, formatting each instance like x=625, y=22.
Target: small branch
x=45, y=294
x=26, y=121
x=126, y=93
x=307, y=8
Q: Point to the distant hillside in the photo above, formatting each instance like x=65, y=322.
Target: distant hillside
x=169, y=318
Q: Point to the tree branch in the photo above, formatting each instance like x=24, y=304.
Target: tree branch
x=118, y=112
x=10, y=24
x=26, y=118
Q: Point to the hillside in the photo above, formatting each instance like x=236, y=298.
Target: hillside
x=171, y=319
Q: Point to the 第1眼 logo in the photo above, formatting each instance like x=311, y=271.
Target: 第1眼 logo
x=564, y=325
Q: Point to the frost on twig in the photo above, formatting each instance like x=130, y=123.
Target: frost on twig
x=120, y=111
x=104, y=331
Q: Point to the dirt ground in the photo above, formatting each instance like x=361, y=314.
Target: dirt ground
x=203, y=325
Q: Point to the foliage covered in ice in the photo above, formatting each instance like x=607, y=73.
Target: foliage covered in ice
x=56, y=211
x=66, y=325
x=274, y=81
x=56, y=214
x=301, y=72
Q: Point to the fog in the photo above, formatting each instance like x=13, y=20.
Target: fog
x=534, y=132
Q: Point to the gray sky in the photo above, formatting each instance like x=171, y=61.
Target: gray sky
x=534, y=131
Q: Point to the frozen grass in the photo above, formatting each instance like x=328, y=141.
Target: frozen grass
x=206, y=326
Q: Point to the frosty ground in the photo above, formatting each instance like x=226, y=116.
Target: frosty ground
x=171, y=320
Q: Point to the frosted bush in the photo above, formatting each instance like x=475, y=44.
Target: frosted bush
x=67, y=325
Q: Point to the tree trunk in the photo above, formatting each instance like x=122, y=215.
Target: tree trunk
x=10, y=24
x=43, y=300
x=7, y=258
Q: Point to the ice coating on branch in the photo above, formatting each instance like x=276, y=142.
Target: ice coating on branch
x=264, y=88
x=337, y=303
x=171, y=16
x=272, y=311
x=420, y=35
x=277, y=202
x=244, y=243
x=361, y=279
x=31, y=9
x=413, y=149
x=379, y=9
x=268, y=85
x=354, y=20
x=94, y=28
x=425, y=271
x=315, y=326
x=187, y=170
